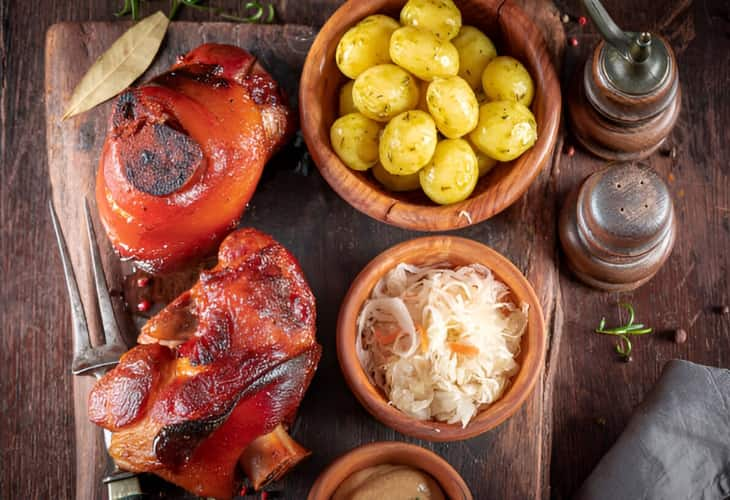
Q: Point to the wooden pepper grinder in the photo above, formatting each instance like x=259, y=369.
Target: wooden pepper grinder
x=618, y=227
x=628, y=99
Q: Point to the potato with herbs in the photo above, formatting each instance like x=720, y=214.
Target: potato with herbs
x=484, y=162
x=506, y=79
x=396, y=182
x=451, y=174
x=506, y=129
x=365, y=45
x=354, y=138
x=347, y=105
x=384, y=91
x=408, y=142
x=475, y=51
x=424, y=55
x=440, y=17
x=453, y=106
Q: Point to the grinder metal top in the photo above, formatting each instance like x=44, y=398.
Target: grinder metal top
x=634, y=63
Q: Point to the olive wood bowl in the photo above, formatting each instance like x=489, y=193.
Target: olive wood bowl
x=514, y=34
x=390, y=452
x=456, y=252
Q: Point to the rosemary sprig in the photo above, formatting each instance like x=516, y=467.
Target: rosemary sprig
x=129, y=7
x=624, y=347
x=260, y=13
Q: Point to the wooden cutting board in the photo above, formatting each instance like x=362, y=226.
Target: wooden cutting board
x=331, y=240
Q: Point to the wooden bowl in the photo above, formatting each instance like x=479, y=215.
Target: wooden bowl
x=514, y=34
x=457, y=252
x=390, y=453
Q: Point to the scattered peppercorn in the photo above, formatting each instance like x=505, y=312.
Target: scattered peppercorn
x=582, y=20
x=143, y=305
x=143, y=281
x=680, y=336
x=574, y=41
x=570, y=150
x=627, y=359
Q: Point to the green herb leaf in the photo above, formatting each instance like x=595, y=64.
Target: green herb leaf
x=260, y=14
x=629, y=308
x=624, y=347
x=126, y=9
x=134, y=4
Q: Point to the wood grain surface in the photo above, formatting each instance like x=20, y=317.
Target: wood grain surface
x=586, y=396
x=593, y=393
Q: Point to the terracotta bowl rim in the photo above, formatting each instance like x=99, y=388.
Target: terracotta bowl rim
x=521, y=384
x=364, y=456
x=387, y=207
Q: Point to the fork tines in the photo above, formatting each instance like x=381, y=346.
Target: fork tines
x=89, y=360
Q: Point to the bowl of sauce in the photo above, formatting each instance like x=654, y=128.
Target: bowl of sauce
x=392, y=470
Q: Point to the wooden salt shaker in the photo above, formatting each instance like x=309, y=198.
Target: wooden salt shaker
x=618, y=227
x=628, y=98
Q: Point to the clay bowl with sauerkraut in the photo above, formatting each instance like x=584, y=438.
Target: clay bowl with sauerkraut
x=441, y=338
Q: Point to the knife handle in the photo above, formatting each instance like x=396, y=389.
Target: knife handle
x=123, y=486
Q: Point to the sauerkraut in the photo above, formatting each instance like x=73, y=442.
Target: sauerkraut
x=440, y=342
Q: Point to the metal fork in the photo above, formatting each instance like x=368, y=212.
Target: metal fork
x=95, y=360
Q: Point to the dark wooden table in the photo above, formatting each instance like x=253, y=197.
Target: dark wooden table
x=586, y=395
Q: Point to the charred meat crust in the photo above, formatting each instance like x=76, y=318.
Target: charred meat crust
x=175, y=443
x=247, y=356
x=184, y=153
x=164, y=160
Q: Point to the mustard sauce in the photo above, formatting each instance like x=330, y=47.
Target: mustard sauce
x=394, y=482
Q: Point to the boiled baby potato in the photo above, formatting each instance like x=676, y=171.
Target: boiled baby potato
x=484, y=162
x=440, y=17
x=424, y=55
x=475, y=51
x=451, y=174
x=365, y=45
x=408, y=142
x=384, y=91
x=453, y=105
x=354, y=138
x=347, y=105
x=506, y=129
x=396, y=182
x=506, y=79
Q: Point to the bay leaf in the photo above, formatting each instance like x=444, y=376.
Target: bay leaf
x=125, y=61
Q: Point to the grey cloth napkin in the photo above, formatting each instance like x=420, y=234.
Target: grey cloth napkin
x=676, y=445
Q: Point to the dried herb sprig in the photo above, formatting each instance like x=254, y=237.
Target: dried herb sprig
x=624, y=347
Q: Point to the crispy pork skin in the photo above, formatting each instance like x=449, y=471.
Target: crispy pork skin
x=184, y=153
x=245, y=354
